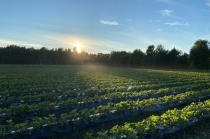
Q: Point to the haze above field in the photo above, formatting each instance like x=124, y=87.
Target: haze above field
x=102, y=26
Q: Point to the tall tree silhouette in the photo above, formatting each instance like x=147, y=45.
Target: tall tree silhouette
x=199, y=54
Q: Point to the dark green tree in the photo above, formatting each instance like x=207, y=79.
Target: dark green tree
x=199, y=54
x=184, y=60
x=161, y=55
x=136, y=58
x=173, y=56
x=117, y=57
x=124, y=59
x=150, y=55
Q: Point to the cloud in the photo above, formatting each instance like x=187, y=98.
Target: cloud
x=177, y=24
x=166, y=12
x=32, y=45
x=157, y=21
x=88, y=44
x=111, y=23
x=208, y=3
x=5, y=42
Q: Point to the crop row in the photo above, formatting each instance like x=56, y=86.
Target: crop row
x=54, y=95
x=84, y=80
x=38, y=102
x=101, y=113
x=24, y=110
x=103, y=86
x=156, y=126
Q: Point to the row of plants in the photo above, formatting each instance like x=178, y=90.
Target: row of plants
x=53, y=80
x=56, y=94
x=24, y=110
x=8, y=98
x=60, y=89
x=111, y=111
x=156, y=126
x=103, y=86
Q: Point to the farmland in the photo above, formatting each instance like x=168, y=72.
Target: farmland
x=100, y=102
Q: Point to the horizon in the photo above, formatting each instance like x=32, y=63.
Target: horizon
x=79, y=50
x=104, y=26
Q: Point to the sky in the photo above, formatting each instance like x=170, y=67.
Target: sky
x=102, y=26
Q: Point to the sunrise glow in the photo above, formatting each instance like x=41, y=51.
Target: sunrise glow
x=79, y=50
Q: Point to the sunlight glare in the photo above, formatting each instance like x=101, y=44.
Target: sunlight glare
x=79, y=50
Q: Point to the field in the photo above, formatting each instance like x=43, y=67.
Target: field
x=103, y=102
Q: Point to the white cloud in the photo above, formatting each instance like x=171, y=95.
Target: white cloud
x=112, y=23
x=4, y=43
x=177, y=24
x=208, y=3
x=88, y=44
x=7, y=42
x=32, y=45
x=166, y=12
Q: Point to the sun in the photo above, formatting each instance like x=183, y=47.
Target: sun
x=79, y=50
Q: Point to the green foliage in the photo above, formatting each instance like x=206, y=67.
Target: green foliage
x=160, y=57
x=91, y=94
x=150, y=55
x=136, y=57
x=199, y=54
x=167, y=122
x=88, y=135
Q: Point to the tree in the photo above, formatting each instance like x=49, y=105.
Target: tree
x=161, y=55
x=117, y=57
x=124, y=59
x=199, y=54
x=184, y=60
x=136, y=57
x=150, y=49
x=150, y=55
x=173, y=56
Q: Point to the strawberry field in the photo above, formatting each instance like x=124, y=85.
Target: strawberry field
x=100, y=102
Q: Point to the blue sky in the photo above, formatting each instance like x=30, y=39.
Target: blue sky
x=104, y=25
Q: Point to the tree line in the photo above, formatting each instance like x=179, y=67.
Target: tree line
x=153, y=57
